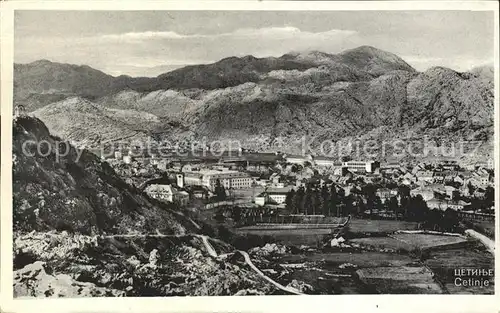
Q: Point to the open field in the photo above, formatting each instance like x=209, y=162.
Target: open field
x=360, y=259
x=295, y=237
x=426, y=241
x=400, y=280
x=379, y=226
x=381, y=243
x=443, y=263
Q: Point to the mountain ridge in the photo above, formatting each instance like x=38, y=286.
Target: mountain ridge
x=328, y=96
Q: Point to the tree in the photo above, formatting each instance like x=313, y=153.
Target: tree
x=450, y=221
x=417, y=209
x=236, y=214
x=392, y=204
x=471, y=188
x=324, y=200
x=299, y=200
x=307, y=201
x=404, y=193
x=220, y=192
x=489, y=197
x=369, y=193
x=316, y=201
x=289, y=201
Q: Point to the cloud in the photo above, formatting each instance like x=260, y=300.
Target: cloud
x=139, y=36
x=460, y=63
x=285, y=32
x=150, y=49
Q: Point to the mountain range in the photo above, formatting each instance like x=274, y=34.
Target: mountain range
x=359, y=94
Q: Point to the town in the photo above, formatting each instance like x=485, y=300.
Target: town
x=247, y=187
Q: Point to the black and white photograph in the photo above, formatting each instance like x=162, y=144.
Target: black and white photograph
x=167, y=153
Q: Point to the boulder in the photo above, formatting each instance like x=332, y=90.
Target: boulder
x=33, y=281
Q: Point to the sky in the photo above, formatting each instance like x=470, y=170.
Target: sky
x=148, y=43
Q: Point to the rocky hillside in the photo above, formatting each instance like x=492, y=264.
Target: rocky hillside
x=363, y=93
x=77, y=192
x=80, y=231
x=78, y=119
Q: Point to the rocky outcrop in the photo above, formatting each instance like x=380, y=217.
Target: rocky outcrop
x=132, y=265
x=34, y=281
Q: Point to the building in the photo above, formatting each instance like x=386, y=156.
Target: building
x=425, y=176
x=167, y=193
x=327, y=162
x=451, y=192
x=127, y=159
x=437, y=204
x=192, y=179
x=361, y=166
x=298, y=159
x=272, y=196
x=449, y=165
x=426, y=193
x=446, y=204
x=384, y=194
x=228, y=178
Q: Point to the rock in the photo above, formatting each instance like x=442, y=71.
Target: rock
x=300, y=286
x=134, y=261
x=33, y=281
x=347, y=265
x=153, y=258
x=249, y=292
x=269, y=248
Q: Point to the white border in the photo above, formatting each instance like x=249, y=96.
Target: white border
x=351, y=303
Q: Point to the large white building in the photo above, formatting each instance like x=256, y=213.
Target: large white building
x=272, y=196
x=361, y=166
x=208, y=178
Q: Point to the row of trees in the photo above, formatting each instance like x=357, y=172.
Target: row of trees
x=332, y=201
x=311, y=200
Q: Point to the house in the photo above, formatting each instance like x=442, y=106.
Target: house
x=127, y=159
x=446, y=204
x=425, y=176
x=340, y=171
x=409, y=176
x=385, y=194
x=458, y=205
x=260, y=199
x=437, y=204
x=426, y=193
x=450, y=165
x=479, y=193
x=277, y=195
x=451, y=192
x=438, y=179
x=459, y=179
x=167, y=193
x=417, y=168
x=344, y=180
x=272, y=196
x=275, y=178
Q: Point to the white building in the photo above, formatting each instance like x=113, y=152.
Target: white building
x=228, y=178
x=167, y=193
x=272, y=196
x=298, y=159
x=361, y=166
